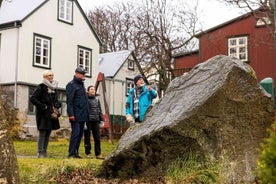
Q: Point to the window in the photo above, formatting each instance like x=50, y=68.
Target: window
x=31, y=107
x=42, y=51
x=129, y=85
x=130, y=64
x=84, y=59
x=65, y=10
x=61, y=99
x=238, y=47
x=263, y=21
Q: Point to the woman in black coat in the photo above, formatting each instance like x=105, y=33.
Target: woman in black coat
x=46, y=102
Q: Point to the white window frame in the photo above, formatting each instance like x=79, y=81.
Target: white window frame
x=42, y=51
x=84, y=59
x=129, y=85
x=263, y=21
x=238, y=47
x=65, y=11
x=130, y=64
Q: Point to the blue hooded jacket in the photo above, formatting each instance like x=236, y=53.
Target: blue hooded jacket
x=145, y=101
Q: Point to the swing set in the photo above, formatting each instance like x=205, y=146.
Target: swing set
x=111, y=126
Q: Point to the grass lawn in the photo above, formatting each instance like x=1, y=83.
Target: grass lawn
x=44, y=170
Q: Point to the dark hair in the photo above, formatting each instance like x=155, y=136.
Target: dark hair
x=91, y=86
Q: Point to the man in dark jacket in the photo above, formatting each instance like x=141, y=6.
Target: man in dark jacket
x=77, y=109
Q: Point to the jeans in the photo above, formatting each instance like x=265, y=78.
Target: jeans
x=95, y=128
x=76, y=136
x=42, y=143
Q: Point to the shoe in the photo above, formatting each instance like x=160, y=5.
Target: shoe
x=42, y=155
x=99, y=157
x=89, y=155
x=75, y=156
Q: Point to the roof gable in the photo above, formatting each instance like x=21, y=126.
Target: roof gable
x=110, y=63
x=18, y=10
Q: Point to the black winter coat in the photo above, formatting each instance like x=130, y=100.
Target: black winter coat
x=76, y=99
x=44, y=108
x=95, y=111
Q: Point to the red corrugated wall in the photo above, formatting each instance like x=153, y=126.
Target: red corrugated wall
x=260, y=41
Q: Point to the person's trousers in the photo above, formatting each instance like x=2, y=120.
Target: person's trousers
x=95, y=128
x=43, y=141
x=76, y=136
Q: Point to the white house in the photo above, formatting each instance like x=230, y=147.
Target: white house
x=119, y=69
x=37, y=35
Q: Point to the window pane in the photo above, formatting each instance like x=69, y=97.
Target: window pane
x=130, y=64
x=38, y=42
x=45, y=44
x=233, y=50
x=45, y=61
x=233, y=42
x=87, y=55
x=241, y=41
x=81, y=62
x=37, y=59
x=37, y=51
x=242, y=49
x=86, y=62
x=242, y=56
x=81, y=53
x=45, y=52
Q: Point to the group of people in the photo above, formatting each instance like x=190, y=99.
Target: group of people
x=84, y=111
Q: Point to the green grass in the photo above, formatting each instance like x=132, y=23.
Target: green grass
x=44, y=170
x=189, y=171
x=58, y=148
x=58, y=166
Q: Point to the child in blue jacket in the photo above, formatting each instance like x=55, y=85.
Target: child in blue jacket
x=139, y=99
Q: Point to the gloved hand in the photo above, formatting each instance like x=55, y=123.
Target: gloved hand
x=101, y=124
x=130, y=119
x=85, y=127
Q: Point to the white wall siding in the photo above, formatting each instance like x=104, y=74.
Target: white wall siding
x=65, y=39
x=8, y=55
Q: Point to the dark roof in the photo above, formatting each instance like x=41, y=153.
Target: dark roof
x=181, y=54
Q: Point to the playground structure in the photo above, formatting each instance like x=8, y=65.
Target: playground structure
x=114, y=115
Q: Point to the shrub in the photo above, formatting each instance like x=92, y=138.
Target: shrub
x=9, y=116
x=266, y=169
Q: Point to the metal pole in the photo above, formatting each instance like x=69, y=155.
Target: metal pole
x=274, y=52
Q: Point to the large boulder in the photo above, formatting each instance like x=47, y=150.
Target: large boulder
x=9, y=172
x=217, y=110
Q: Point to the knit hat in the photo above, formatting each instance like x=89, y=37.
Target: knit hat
x=137, y=77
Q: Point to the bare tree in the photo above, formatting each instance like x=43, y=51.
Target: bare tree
x=153, y=29
x=262, y=10
x=250, y=4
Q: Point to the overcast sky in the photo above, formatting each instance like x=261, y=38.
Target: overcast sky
x=211, y=12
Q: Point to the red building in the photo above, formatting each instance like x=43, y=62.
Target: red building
x=185, y=62
x=248, y=37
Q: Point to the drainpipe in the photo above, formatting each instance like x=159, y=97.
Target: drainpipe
x=16, y=67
